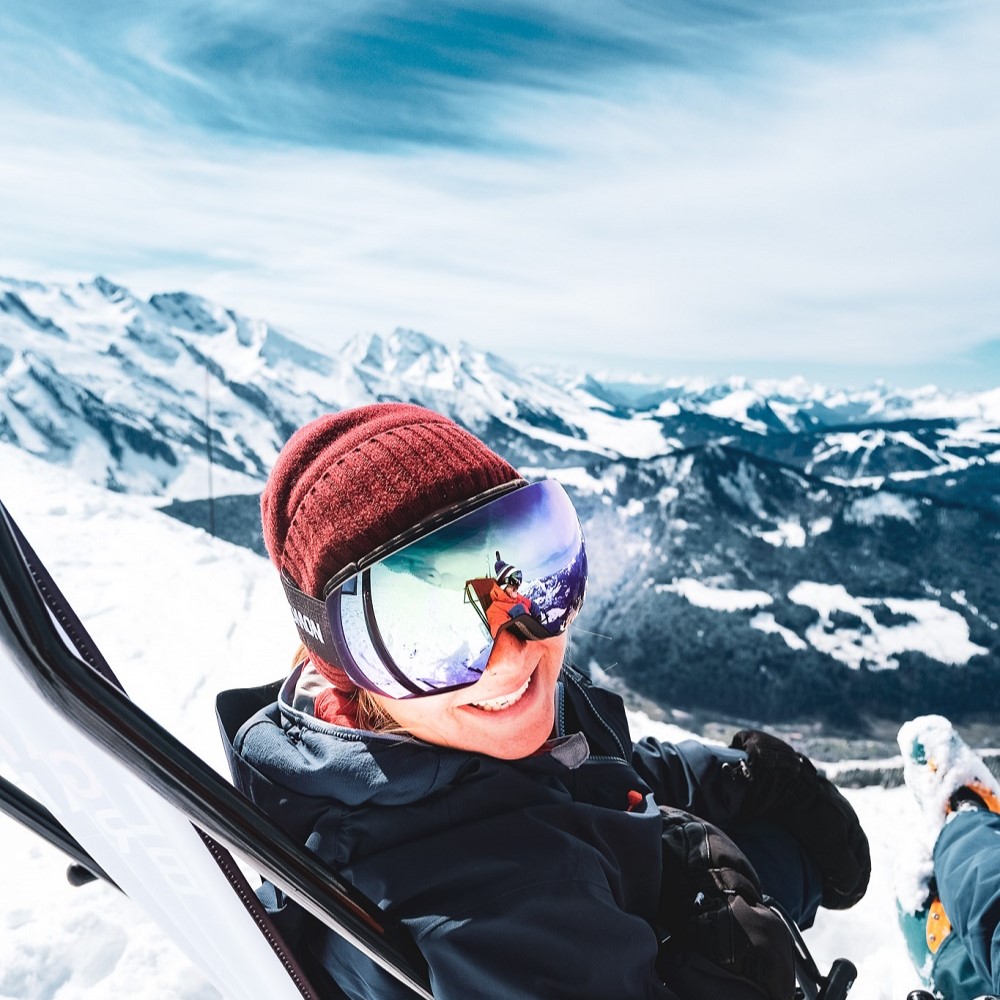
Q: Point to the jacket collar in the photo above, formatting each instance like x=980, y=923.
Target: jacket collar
x=296, y=698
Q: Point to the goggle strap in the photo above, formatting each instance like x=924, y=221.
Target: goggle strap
x=310, y=619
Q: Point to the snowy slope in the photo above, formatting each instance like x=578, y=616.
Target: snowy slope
x=220, y=621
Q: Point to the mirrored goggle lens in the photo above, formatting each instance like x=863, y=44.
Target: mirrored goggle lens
x=424, y=619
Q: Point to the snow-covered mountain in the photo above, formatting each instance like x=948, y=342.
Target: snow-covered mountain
x=773, y=548
x=140, y=395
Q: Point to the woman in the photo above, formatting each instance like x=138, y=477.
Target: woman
x=479, y=789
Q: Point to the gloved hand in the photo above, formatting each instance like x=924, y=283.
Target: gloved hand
x=711, y=905
x=784, y=787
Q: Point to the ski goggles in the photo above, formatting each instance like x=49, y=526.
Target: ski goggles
x=420, y=615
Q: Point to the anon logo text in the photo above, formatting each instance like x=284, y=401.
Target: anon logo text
x=307, y=624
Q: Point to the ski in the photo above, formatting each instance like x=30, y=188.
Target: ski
x=148, y=813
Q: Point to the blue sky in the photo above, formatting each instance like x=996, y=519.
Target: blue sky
x=763, y=188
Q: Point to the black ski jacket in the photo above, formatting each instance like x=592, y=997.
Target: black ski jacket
x=534, y=878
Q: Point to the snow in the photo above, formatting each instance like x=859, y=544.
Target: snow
x=742, y=490
x=788, y=533
x=847, y=443
x=958, y=596
x=901, y=437
x=632, y=508
x=867, y=510
x=787, y=413
x=667, y=409
x=194, y=478
x=220, y=621
x=575, y=476
x=764, y=621
x=939, y=632
x=716, y=598
x=838, y=445
x=982, y=407
x=795, y=387
x=970, y=434
x=936, y=762
x=935, y=631
x=639, y=437
x=736, y=406
x=154, y=371
x=61, y=943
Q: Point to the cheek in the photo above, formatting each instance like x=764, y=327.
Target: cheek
x=440, y=719
x=551, y=662
x=425, y=718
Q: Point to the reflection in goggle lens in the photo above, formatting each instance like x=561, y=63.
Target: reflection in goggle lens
x=424, y=619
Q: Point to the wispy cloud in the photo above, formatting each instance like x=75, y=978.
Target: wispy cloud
x=376, y=74
x=729, y=186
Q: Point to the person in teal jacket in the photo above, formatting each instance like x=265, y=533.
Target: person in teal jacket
x=480, y=789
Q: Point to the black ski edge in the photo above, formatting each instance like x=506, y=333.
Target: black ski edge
x=90, y=700
x=32, y=815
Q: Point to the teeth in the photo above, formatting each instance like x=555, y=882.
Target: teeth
x=497, y=704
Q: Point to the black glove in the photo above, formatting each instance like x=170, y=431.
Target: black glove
x=783, y=787
x=711, y=905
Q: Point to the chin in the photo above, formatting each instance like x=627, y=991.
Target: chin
x=522, y=741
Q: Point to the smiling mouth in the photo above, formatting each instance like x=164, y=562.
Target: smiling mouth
x=506, y=701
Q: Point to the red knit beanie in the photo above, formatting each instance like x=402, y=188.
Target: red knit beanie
x=351, y=481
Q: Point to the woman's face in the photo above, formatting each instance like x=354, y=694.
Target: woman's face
x=508, y=713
